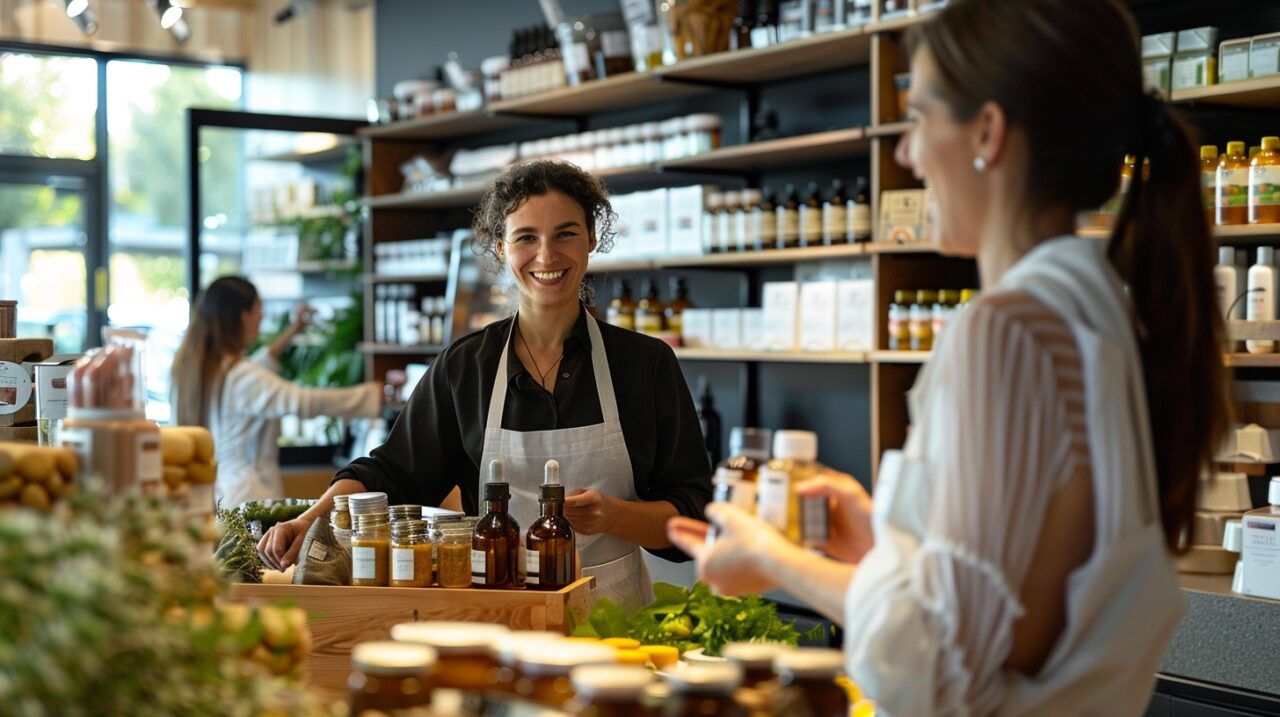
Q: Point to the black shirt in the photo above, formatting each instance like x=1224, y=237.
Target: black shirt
x=437, y=441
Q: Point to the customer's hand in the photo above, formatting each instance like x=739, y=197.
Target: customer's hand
x=850, y=535
x=302, y=314
x=280, y=546
x=589, y=511
x=737, y=563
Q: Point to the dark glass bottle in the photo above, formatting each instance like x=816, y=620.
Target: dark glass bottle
x=740, y=36
x=811, y=217
x=835, y=216
x=675, y=310
x=622, y=309
x=495, y=544
x=550, y=553
x=788, y=211
x=709, y=420
x=650, y=318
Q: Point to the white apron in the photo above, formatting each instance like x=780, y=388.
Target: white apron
x=590, y=457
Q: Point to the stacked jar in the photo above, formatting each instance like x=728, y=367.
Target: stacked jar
x=611, y=691
x=452, y=536
x=704, y=690
x=412, y=552
x=506, y=650
x=812, y=672
x=371, y=542
x=389, y=676
x=542, y=668
x=465, y=651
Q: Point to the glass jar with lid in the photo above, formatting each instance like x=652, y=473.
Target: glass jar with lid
x=411, y=554
x=464, y=651
x=703, y=690
x=755, y=659
x=811, y=673
x=610, y=691
x=594, y=47
x=692, y=28
x=542, y=668
x=371, y=550
x=701, y=133
x=506, y=649
x=340, y=515
x=453, y=551
x=398, y=513
x=390, y=676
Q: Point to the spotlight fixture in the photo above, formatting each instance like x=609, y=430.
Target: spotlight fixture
x=76, y=7
x=170, y=14
x=82, y=15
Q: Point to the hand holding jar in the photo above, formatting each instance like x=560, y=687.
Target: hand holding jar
x=739, y=560
x=851, y=535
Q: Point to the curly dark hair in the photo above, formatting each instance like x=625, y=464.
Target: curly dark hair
x=536, y=177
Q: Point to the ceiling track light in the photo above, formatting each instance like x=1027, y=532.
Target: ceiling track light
x=170, y=14
x=79, y=12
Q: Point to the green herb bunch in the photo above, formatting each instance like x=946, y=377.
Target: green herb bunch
x=237, y=551
x=689, y=619
x=105, y=611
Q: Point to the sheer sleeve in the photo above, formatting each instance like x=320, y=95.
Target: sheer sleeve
x=929, y=613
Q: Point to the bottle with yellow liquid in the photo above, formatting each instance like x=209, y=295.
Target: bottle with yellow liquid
x=1209, y=179
x=795, y=460
x=1264, y=183
x=1232, y=201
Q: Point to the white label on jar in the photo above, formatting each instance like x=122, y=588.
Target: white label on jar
x=402, y=564
x=835, y=223
x=577, y=62
x=744, y=496
x=150, y=462
x=788, y=225
x=477, y=565
x=767, y=226
x=615, y=43
x=741, y=230
x=810, y=225
x=710, y=231
x=80, y=441
x=364, y=563
x=859, y=220
x=775, y=492
x=1233, y=187
x=728, y=240
x=532, y=567
x=1261, y=556
x=1264, y=186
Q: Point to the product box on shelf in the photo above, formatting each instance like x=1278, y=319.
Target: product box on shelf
x=696, y=328
x=726, y=329
x=52, y=394
x=902, y=215
x=818, y=316
x=1233, y=60
x=624, y=240
x=1195, y=63
x=17, y=409
x=753, y=337
x=1224, y=492
x=855, y=319
x=781, y=300
x=685, y=206
x=650, y=228
x=1264, y=55
x=1157, y=60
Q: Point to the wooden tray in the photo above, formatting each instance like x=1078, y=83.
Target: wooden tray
x=340, y=616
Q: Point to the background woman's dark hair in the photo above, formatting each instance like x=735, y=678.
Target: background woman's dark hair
x=533, y=178
x=1067, y=74
x=216, y=330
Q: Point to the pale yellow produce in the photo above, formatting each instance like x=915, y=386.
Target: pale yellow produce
x=865, y=708
x=174, y=476
x=662, y=656
x=203, y=473
x=6, y=464
x=68, y=465
x=56, y=484
x=201, y=437
x=177, y=447
x=35, y=496
x=34, y=476
x=622, y=643
x=10, y=487
x=35, y=465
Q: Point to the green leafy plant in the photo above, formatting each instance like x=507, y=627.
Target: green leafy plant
x=689, y=619
x=106, y=611
x=237, y=551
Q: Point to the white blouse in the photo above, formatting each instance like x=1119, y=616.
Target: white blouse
x=246, y=424
x=1035, y=383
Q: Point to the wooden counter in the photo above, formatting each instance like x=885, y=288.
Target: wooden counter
x=340, y=617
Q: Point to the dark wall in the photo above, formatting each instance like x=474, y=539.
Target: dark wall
x=412, y=37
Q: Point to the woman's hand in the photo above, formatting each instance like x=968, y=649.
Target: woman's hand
x=280, y=546
x=738, y=562
x=302, y=314
x=590, y=512
x=851, y=535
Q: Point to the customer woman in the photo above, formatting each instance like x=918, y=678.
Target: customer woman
x=1016, y=559
x=241, y=400
x=551, y=382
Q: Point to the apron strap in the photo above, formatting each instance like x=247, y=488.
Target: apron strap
x=599, y=367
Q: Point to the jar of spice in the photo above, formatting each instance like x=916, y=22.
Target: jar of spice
x=390, y=676
x=610, y=691
x=506, y=649
x=755, y=659
x=340, y=516
x=411, y=554
x=453, y=551
x=371, y=551
x=695, y=27
x=701, y=133
x=811, y=672
x=546, y=666
x=704, y=690
x=398, y=513
x=464, y=649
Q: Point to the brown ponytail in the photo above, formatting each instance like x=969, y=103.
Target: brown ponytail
x=1162, y=248
x=1067, y=74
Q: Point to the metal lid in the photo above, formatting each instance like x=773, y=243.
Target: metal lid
x=754, y=654
x=386, y=657
x=610, y=681
x=810, y=662
x=705, y=677
x=558, y=658
x=507, y=647
x=405, y=512
x=408, y=529
x=340, y=502
x=450, y=638
x=363, y=503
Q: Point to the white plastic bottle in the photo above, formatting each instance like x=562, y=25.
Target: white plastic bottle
x=1229, y=279
x=1262, y=296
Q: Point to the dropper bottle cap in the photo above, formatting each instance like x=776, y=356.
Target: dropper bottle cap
x=496, y=488
x=551, y=489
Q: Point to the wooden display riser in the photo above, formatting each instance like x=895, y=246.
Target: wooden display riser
x=340, y=617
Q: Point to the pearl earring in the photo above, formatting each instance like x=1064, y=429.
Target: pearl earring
x=979, y=164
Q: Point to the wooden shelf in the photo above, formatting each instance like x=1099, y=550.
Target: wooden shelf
x=806, y=56
x=399, y=350
x=890, y=129
x=450, y=125
x=446, y=199
x=324, y=211
x=325, y=265
x=833, y=357
x=1259, y=93
x=403, y=278
x=1252, y=360
x=897, y=24
x=819, y=147
x=916, y=357
x=604, y=266
x=615, y=93
x=767, y=257
x=893, y=247
x=336, y=153
x=1229, y=234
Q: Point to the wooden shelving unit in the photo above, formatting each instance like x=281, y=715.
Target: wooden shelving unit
x=807, y=56
x=400, y=350
x=1260, y=93
x=1252, y=360
x=833, y=357
x=403, y=278
x=889, y=129
x=820, y=147
x=893, y=247
x=901, y=357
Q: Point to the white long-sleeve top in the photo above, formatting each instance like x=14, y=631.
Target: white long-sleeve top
x=246, y=424
x=1036, y=383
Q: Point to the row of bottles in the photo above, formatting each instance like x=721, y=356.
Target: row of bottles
x=397, y=321
x=918, y=318
x=754, y=220
x=753, y=480
x=1259, y=286
x=546, y=559
x=1240, y=189
x=536, y=64
x=649, y=315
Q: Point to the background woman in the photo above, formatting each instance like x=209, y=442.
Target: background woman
x=241, y=400
x=610, y=405
x=1081, y=395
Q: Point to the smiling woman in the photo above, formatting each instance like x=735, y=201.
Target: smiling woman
x=610, y=405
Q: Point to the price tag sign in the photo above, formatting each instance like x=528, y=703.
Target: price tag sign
x=15, y=388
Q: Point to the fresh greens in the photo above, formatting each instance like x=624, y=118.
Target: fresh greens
x=270, y=512
x=237, y=551
x=688, y=619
